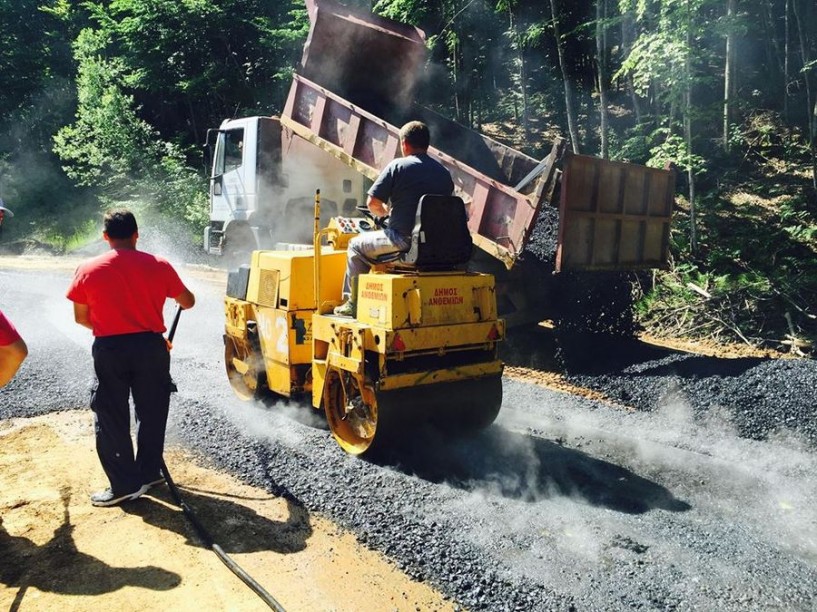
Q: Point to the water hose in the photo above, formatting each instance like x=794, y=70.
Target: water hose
x=201, y=532
x=207, y=540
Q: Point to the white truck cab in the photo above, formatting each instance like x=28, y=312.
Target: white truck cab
x=262, y=186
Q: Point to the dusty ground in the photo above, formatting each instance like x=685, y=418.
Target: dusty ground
x=60, y=553
x=57, y=552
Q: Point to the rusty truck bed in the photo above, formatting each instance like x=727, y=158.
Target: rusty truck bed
x=612, y=215
x=500, y=216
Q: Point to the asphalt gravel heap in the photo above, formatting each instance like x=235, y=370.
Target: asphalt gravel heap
x=763, y=397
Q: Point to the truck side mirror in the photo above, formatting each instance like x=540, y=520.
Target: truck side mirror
x=209, y=148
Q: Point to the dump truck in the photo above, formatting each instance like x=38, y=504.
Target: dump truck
x=405, y=359
x=538, y=224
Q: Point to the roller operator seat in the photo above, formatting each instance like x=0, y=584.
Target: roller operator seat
x=440, y=239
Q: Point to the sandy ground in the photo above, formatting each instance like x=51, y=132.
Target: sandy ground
x=57, y=552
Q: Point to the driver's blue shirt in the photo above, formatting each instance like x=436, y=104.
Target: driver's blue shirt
x=402, y=183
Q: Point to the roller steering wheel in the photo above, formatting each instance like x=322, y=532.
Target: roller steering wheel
x=371, y=222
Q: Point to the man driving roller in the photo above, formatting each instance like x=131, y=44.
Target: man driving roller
x=395, y=193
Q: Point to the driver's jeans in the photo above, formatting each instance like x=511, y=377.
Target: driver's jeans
x=365, y=247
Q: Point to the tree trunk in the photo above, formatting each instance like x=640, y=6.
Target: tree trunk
x=693, y=234
x=455, y=72
x=568, y=89
x=810, y=119
x=626, y=45
x=602, y=80
x=727, y=71
x=523, y=74
x=814, y=148
x=786, y=63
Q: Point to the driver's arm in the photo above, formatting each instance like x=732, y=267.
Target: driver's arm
x=377, y=207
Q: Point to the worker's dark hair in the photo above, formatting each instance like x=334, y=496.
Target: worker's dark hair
x=119, y=223
x=416, y=134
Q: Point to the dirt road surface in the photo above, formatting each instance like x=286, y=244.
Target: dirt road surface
x=650, y=480
x=60, y=553
x=57, y=552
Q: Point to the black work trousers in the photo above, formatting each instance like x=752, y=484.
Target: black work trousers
x=137, y=364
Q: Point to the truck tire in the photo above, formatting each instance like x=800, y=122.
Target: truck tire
x=238, y=245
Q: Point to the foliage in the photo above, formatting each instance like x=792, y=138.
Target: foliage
x=123, y=91
x=674, y=149
x=75, y=237
x=111, y=149
x=108, y=143
x=758, y=265
x=193, y=63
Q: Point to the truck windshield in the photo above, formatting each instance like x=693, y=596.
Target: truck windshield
x=229, y=151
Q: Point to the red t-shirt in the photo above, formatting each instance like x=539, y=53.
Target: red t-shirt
x=125, y=291
x=8, y=335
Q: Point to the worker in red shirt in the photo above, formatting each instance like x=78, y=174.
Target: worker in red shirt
x=120, y=295
x=13, y=350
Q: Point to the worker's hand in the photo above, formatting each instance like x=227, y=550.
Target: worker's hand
x=377, y=207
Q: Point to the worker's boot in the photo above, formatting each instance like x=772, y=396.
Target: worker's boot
x=347, y=309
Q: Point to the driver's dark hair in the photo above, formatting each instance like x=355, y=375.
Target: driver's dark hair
x=119, y=223
x=416, y=135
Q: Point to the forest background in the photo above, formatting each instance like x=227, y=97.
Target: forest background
x=107, y=103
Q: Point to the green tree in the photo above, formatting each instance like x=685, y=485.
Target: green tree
x=664, y=61
x=108, y=144
x=192, y=63
x=112, y=150
x=36, y=99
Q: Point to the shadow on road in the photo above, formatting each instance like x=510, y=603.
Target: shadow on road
x=592, y=354
x=59, y=567
x=235, y=528
x=517, y=466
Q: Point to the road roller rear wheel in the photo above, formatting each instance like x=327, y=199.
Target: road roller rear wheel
x=351, y=411
x=245, y=369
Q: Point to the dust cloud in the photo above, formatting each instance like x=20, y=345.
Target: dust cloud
x=699, y=459
x=286, y=423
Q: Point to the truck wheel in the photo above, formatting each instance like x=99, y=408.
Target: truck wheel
x=239, y=243
x=245, y=369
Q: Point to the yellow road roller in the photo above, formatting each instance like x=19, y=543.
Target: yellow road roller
x=421, y=351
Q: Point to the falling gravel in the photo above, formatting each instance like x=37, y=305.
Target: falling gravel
x=689, y=487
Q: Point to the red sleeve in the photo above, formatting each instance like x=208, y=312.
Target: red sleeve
x=76, y=292
x=175, y=286
x=8, y=334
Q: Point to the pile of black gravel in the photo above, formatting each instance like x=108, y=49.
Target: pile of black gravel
x=764, y=397
x=544, y=237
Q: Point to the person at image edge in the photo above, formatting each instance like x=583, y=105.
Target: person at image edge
x=13, y=350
